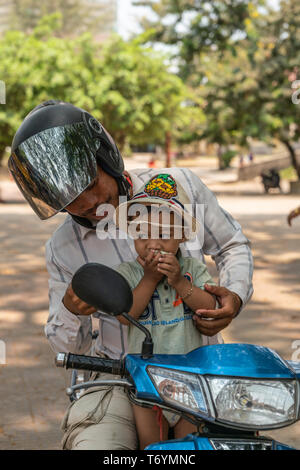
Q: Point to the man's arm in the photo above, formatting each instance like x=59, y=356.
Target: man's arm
x=65, y=331
x=225, y=242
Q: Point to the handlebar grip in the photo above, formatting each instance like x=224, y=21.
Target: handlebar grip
x=97, y=364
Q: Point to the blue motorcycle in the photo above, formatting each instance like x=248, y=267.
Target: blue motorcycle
x=229, y=391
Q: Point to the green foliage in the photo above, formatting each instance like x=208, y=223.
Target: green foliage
x=288, y=174
x=242, y=57
x=140, y=99
x=275, y=65
x=227, y=157
x=124, y=84
x=199, y=26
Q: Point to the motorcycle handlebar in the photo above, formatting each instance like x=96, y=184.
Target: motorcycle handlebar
x=97, y=364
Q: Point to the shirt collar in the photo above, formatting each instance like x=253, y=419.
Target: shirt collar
x=84, y=231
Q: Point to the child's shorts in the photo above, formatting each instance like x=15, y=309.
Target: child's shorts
x=172, y=418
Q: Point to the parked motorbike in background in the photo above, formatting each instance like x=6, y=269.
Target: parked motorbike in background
x=231, y=392
x=270, y=179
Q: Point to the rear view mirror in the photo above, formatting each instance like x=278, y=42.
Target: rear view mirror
x=103, y=288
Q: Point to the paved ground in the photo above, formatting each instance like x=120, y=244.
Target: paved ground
x=32, y=390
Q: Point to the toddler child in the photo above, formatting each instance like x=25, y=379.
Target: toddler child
x=167, y=288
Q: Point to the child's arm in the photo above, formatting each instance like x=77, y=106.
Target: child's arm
x=193, y=296
x=143, y=292
x=196, y=297
x=141, y=297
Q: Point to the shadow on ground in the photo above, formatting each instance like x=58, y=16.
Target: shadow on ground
x=32, y=391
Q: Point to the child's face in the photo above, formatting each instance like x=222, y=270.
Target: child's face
x=166, y=239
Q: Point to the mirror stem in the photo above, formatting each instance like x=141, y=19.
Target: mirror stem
x=147, y=347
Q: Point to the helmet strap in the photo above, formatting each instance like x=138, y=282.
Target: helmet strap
x=125, y=185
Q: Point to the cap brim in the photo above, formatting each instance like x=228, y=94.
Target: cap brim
x=191, y=225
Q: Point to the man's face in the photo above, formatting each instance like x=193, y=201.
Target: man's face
x=103, y=190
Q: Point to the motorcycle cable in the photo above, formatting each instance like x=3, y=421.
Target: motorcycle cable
x=149, y=404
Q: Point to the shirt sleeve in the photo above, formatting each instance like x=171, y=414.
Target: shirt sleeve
x=200, y=274
x=223, y=240
x=65, y=331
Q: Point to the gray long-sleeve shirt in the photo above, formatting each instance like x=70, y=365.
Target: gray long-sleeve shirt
x=72, y=245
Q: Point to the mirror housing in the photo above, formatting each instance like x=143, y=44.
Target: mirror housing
x=108, y=291
x=103, y=288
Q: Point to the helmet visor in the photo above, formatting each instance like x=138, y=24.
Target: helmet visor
x=53, y=167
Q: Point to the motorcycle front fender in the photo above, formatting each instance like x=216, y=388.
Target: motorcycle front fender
x=193, y=443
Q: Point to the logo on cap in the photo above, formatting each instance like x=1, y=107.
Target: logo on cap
x=162, y=185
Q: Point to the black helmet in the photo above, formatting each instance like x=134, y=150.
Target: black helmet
x=55, y=153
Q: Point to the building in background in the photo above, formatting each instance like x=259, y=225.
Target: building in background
x=97, y=16
x=5, y=10
x=107, y=12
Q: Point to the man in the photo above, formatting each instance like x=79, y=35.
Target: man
x=64, y=160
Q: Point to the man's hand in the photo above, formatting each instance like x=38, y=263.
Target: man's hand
x=219, y=319
x=292, y=215
x=75, y=305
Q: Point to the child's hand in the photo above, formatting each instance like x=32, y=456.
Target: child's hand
x=149, y=265
x=169, y=266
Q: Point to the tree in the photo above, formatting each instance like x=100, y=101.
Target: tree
x=207, y=38
x=277, y=65
x=125, y=85
x=251, y=95
x=140, y=99
x=198, y=26
x=242, y=60
x=228, y=90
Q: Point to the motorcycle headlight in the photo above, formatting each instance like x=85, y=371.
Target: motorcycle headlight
x=240, y=444
x=179, y=388
x=254, y=403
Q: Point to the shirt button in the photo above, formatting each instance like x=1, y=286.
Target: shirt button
x=166, y=287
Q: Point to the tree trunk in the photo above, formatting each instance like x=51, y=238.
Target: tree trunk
x=168, y=149
x=220, y=159
x=293, y=157
x=121, y=143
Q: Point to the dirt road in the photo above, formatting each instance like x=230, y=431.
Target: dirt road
x=32, y=390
